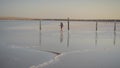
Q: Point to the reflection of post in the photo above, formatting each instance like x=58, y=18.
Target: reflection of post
x=61, y=36
x=68, y=39
x=114, y=38
x=40, y=34
x=96, y=38
x=40, y=38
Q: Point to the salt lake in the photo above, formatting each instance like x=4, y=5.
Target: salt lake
x=24, y=45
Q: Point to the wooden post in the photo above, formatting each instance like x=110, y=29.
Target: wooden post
x=96, y=33
x=114, y=26
x=96, y=25
x=40, y=25
x=68, y=24
x=114, y=32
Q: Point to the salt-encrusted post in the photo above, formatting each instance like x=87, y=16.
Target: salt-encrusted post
x=114, y=26
x=68, y=24
x=96, y=33
x=96, y=25
x=40, y=25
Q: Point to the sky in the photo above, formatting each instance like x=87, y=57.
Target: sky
x=77, y=9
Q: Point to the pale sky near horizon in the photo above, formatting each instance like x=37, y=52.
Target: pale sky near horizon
x=80, y=9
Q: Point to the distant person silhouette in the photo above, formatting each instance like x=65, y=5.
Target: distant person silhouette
x=61, y=26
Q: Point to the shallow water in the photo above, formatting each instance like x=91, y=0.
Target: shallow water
x=23, y=39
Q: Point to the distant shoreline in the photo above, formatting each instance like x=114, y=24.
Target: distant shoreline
x=14, y=18
x=18, y=18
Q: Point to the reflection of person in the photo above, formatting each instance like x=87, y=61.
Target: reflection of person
x=61, y=36
x=61, y=26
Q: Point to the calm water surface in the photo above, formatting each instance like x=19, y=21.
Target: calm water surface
x=23, y=45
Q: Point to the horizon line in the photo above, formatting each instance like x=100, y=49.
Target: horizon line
x=57, y=19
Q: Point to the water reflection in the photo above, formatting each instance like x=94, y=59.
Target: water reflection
x=96, y=38
x=61, y=36
x=62, y=40
x=40, y=38
x=68, y=35
x=114, y=40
